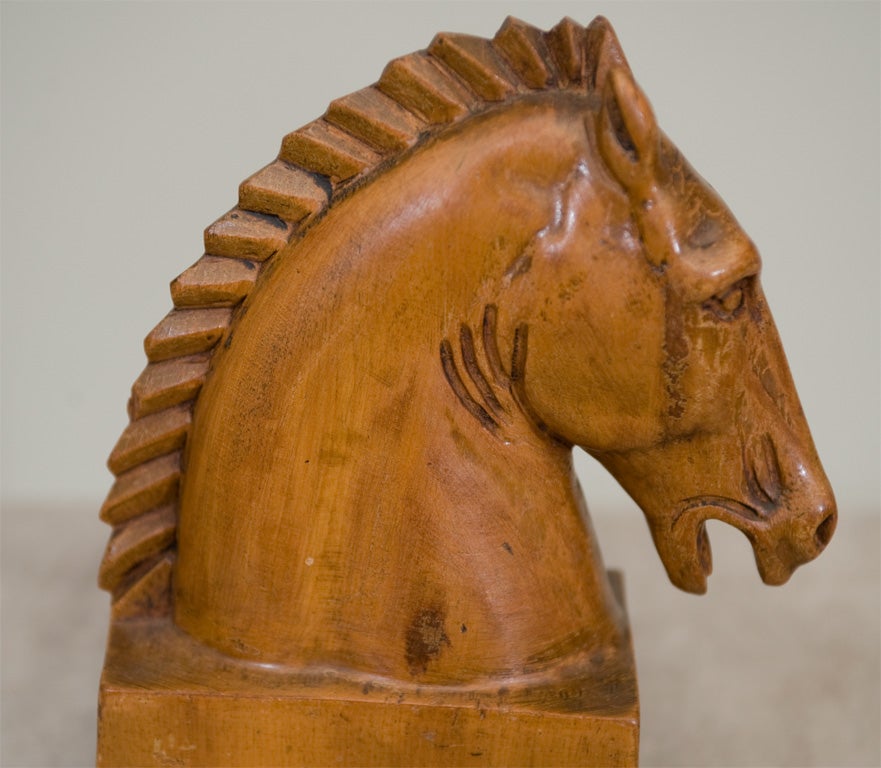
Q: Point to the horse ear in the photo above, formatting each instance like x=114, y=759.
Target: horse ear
x=627, y=132
x=603, y=53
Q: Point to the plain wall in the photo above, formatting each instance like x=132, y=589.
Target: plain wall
x=126, y=128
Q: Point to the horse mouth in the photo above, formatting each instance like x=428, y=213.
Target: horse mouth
x=777, y=551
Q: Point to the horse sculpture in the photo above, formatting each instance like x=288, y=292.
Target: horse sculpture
x=351, y=448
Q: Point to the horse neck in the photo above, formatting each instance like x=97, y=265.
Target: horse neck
x=362, y=460
x=378, y=285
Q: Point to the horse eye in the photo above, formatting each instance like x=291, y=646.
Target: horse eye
x=725, y=305
x=732, y=300
x=706, y=234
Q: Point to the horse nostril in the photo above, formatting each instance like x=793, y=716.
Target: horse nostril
x=824, y=530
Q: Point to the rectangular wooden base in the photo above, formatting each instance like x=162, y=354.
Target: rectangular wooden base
x=162, y=704
x=150, y=729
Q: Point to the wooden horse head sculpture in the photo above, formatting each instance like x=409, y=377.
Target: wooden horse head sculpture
x=351, y=447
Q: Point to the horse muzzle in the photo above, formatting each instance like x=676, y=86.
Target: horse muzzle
x=782, y=540
x=773, y=490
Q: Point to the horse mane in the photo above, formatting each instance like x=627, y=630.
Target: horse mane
x=417, y=97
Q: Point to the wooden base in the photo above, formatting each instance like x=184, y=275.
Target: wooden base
x=167, y=701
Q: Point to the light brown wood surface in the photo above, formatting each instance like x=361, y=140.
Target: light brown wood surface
x=166, y=701
x=350, y=454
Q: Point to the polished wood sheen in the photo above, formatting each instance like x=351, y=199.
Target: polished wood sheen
x=347, y=528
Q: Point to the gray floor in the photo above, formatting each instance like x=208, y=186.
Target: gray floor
x=745, y=676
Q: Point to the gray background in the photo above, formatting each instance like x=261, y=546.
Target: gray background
x=126, y=128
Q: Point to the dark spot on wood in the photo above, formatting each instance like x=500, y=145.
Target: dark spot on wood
x=367, y=688
x=425, y=639
x=507, y=548
x=464, y=629
x=249, y=264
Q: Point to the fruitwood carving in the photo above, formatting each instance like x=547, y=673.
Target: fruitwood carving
x=347, y=479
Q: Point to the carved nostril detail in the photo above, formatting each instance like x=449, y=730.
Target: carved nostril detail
x=825, y=530
x=763, y=471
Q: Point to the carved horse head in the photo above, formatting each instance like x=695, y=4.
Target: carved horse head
x=461, y=286
x=657, y=354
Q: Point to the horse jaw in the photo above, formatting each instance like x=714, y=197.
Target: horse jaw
x=687, y=553
x=780, y=542
x=683, y=484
